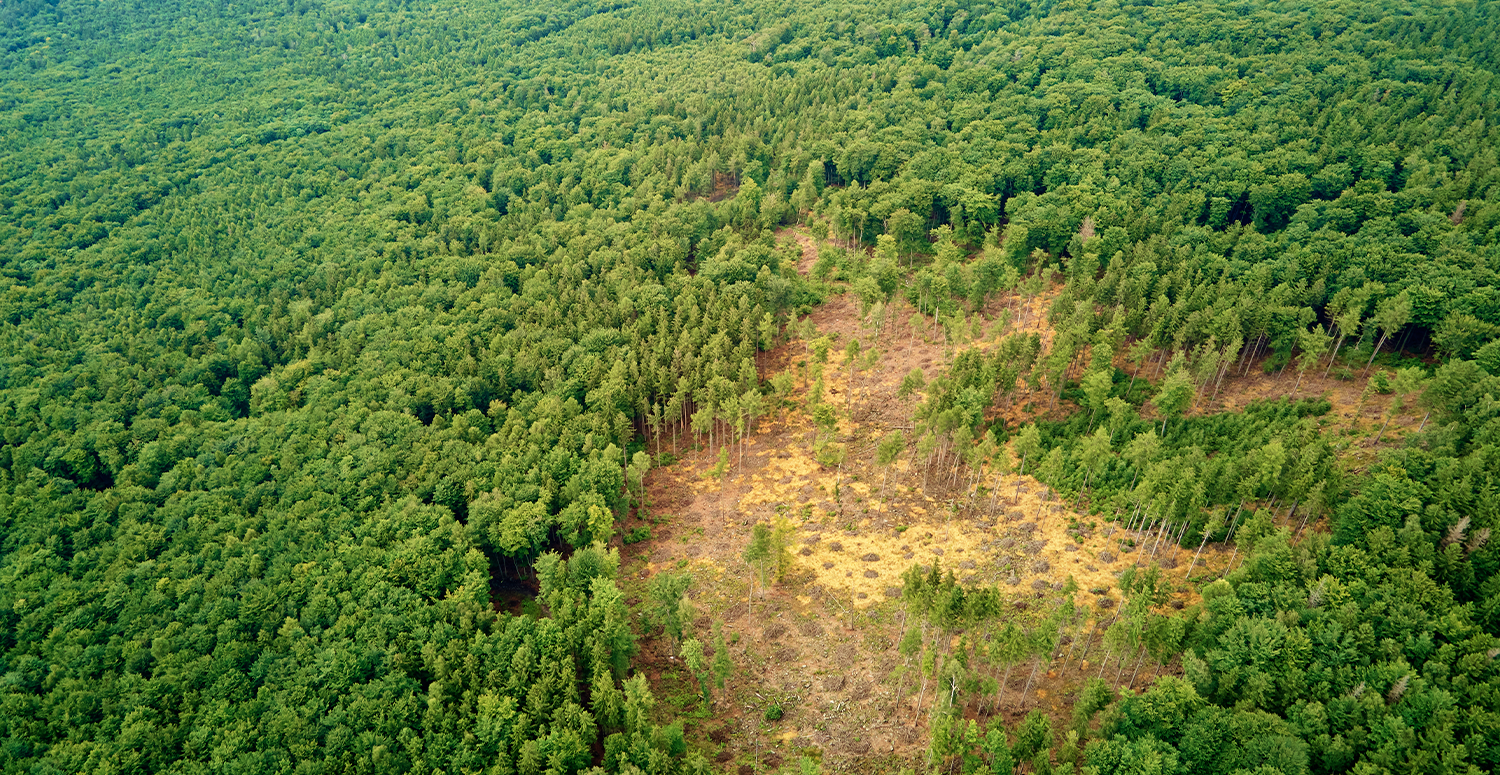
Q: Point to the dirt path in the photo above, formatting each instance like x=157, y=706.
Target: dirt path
x=809, y=248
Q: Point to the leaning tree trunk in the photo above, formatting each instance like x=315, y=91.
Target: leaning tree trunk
x=1335, y=355
x=1378, y=345
x=1035, y=666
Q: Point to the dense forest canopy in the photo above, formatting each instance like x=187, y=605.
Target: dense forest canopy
x=317, y=315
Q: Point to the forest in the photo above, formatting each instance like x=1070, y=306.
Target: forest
x=328, y=325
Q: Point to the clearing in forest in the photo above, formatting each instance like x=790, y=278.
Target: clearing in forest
x=820, y=643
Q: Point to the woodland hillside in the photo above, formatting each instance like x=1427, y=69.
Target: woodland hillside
x=666, y=387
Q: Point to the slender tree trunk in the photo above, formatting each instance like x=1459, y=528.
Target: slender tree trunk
x=1086, y=641
x=1304, y=518
x=1121, y=672
x=1009, y=666
x=1136, y=527
x=1378, y=345
x=1159, y=535
x=1090, y=644
x=1229, y=567
x=923, y=693
x=1233, y=523
x=1335, y=355
x=1201, y=544
x=1140, y=658
x=901, y=686
x=1035, y=666
x=995, y=674
x=1223, y=369
x=1072, y=642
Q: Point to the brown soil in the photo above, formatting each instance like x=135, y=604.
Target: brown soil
x=809, y=248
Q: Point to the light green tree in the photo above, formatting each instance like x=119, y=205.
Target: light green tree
x=1390, y=316
x=1312, y=345
x=1173, y=397
x=692, y=657
x=1095, y=452
x=886, y=453
x=757, y=554
x=667, y=604
x=1096, y=388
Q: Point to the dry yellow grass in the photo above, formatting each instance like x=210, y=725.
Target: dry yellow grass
x=1006, y=550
